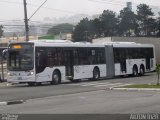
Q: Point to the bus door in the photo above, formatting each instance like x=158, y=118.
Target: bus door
x=109, y=61
x=68, y=55
x=148, y=63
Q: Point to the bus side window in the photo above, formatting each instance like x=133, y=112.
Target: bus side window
x=76, y=57
x=41, y=60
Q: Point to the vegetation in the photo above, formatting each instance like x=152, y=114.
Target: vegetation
x=61, y=28
x=127, y=23
x=147, y=85
x=158, y=72
x=158, y=25
x=83, y=31
x=144, y=15
x=46, y=37
x=142, y=86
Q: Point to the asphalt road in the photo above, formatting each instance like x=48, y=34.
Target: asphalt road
x=24, y=92
x=94, y=102
x=83, y=97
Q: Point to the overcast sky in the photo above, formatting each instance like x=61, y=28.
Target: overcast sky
x=13, y=9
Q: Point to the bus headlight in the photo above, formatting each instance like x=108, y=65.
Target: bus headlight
x=30, y=73
x=10, y=74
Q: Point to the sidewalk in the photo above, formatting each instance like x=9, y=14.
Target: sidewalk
x=136, y=89
x=4, y=84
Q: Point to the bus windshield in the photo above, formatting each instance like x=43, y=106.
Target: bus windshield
x=20, y=60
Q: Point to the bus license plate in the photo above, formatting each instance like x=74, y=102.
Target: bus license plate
x=19, y=78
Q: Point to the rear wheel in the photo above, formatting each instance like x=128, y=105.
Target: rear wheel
x=135, y=71
x=56, y=77
x=96, y=74
x=142, y=71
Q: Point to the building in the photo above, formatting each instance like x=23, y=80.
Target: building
x=129, y=5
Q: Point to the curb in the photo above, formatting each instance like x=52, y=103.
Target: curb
x=137, y=89
x=118, y=86
x=11, y=102
x=5, y=84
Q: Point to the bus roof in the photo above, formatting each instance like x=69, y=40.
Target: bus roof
x=68, y=43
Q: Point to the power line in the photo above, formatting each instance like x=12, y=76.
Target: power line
x=20, y=20
x=26, y=19
x=54, y=9
x=5, y=1
x=120, y=3
x=112, y=2
x=97, y=1
x=60, y=10
x=37, y=9
x=14, y=25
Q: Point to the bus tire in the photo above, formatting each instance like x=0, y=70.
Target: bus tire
x=56, y=78
x=96, y=74
x=142, y=71
x=30, y=83
x=135, y=71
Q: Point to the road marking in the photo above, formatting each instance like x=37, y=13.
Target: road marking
x=3, y=103
x=121, y=85
x=83, y=83
x=11, y=102
x=108, y=85
x=101, y=84
x=94, y=84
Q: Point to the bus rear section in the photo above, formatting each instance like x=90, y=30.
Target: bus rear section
x=131, y=59
x=20, y=63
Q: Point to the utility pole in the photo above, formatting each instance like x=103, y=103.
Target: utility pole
x=86, y=36
x=26, y=20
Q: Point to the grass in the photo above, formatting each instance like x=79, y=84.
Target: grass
x=142, y=86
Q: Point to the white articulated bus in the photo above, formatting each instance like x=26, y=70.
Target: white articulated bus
x=37, y=62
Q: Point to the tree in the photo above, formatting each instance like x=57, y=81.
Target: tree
x=128, y=23
x=61, y=28
x=151, y=27
x=109, y=22
x=158, y=25
x=144, y=14
x=1, y=31
x=158, y=72
x=96, y=28
x=83, y=31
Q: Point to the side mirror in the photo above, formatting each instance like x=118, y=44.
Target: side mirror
x=4, y=54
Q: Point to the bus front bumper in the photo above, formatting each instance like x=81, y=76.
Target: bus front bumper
x=20, y=79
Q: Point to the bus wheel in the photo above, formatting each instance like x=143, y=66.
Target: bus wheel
x=56, y=77
x=30, y=83
x=135, y=71
x=142, y=71
x=96, y=74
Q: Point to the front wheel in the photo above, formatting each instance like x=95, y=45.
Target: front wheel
x=56, y=77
